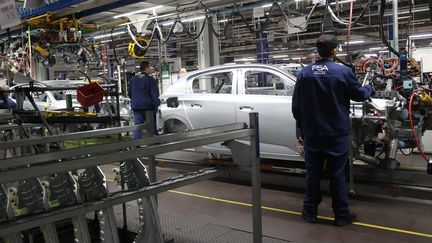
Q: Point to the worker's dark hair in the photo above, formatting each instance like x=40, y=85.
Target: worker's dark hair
x=325, y=44
x=144, y=65
x=325, y=52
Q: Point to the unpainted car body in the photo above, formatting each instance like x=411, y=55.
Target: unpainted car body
x=51, y=100
x=226, y=94
x=56, y=100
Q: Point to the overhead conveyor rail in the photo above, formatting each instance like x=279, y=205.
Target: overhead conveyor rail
x=43, y=168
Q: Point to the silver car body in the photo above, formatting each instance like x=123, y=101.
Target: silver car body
x=232, y=102
x=52, y=100
x=56, y=100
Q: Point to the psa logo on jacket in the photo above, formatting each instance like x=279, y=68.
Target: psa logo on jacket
x=319, y=69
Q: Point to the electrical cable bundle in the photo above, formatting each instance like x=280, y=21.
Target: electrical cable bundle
x=381, y=29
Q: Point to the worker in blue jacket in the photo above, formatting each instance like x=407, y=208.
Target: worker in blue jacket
x=5, y=101
x=144, y=94
x=320, y=105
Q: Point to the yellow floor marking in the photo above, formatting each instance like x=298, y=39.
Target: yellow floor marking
x=299, y=213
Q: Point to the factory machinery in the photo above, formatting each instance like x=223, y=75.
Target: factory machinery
x=397, y=115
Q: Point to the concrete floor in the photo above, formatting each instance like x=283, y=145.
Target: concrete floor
x=378, y=219
x=225, y=206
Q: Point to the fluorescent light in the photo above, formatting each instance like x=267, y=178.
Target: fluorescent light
x=296, y=58
x=405, y=17
x=138, y=11
x=246, y=59
x=280, y=56
x=375, y=48
x=184, y=21
x=370, y=55
x=421, y=36
x=342, y=55
x=355, y=42
x=386, y=51
x=223, y=20
x=344, y=1
x=267, y=5
x=298, y=0
x=108, y=35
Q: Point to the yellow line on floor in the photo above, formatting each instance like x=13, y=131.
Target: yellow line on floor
x=299, y=213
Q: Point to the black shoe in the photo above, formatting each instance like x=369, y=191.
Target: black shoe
x=341, y=221
x=310, y=218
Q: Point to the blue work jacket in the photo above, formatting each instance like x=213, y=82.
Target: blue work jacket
x=321, y=100
x=144, y=92
x=10, y=104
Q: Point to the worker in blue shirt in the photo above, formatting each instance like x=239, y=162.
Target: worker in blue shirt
x=320, y=106
x=144, y=94
x=5, y=101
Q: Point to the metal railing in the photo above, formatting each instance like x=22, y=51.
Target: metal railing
x=39, y=167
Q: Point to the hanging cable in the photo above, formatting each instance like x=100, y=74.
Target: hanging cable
x=354, y=23
x=184, y=4
x=197, y=35
x=132, y=35
x=251, y=29
x=170, y=32
x=349, y=27
x=325, y=16
x=411, y=100
x=408, y=26
x=114, y=46
x=223, y=33
x=382, y=34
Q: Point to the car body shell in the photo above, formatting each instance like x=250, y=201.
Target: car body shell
x=200, y=110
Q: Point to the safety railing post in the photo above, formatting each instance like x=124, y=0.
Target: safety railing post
x=256, y=178
x=151, y=158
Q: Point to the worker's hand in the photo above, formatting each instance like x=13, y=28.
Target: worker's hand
x=4, y=87
x=373, y=90
x=300, y=141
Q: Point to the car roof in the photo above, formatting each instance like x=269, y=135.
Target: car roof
x=179, y=85
x=233, y=65
x=60, y=83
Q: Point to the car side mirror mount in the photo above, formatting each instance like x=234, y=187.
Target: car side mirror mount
x=172, y=102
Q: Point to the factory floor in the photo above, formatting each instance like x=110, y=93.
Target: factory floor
x=216, y=211
x=225, y=204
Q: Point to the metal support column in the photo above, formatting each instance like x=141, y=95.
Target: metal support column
x=208, y=45
x=262, y=55
x=256, y=178
x=395, y=26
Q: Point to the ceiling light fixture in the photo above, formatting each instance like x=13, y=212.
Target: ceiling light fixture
x=385, y=51
x=280, y=56
x=420, y=36
x=344, y=1
x=268, y=5
x=138, y=11
x=184, y=20
x=246, y=59
x=108, y=35
x=354, y=42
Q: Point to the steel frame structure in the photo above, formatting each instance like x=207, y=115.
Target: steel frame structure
x=32, y=166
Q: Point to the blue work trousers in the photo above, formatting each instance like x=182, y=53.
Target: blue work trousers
x=331, y=153
x=140, y=118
